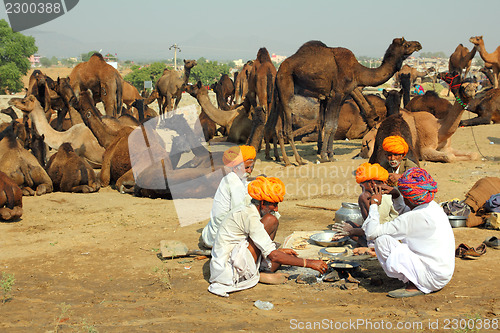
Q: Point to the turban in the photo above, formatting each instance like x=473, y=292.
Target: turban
x=270, y=189
x=417, y=186
x=238, y=154
x=395, y=144
x=367, y=171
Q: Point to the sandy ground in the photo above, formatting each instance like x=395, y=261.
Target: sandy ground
x=89, y=262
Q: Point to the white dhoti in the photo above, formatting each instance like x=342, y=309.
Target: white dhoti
x=399, y=262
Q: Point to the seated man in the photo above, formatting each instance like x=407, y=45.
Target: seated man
x=232, y=191
x=396, y=148
x=417, y=247
x=246, y=237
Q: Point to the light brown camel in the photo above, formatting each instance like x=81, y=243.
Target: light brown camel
x=11, y=199
x=241, y=82
x=80, y=136
x=130, y=94
x=461, y=60
x=236, y=121
x=330, y=75
x=102, y=79
x=22, y=167
x=171, y=85
x=70, y=172
x=414, y=73
x=492, y=59
x=431, y=136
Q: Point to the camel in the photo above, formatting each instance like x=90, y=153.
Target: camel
x=461, y=60
x=493, y=59
x=414, y=73
x=38, y=86
x=261, y=80
x=130, y=94
x=241, y=82
x=64, y=102
x=330, y=75
x=431, y=137
x=430, y=102
x=236, y=121
x=171, y=84
x=70, y=172
x=80, y=136
x=208, y=126
x=22, y=167
x=11, y=199
x=224, y=90
x=102, y=79
x=488, y=109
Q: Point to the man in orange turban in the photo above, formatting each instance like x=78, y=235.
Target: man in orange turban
x=245, y=239
x=232, y=191
x=396, y=148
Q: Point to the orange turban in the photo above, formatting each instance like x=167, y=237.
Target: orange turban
x=270, y=189
x=367, y=171
x=238, y=154
x=395, y=144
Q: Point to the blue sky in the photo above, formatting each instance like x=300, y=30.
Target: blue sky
x=226, y=30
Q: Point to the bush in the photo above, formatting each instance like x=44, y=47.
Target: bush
x=146, y=73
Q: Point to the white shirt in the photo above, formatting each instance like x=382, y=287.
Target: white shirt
x=231, y=195
x=427, y=233
x=237, y=227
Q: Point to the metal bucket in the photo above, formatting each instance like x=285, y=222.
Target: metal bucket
x=349, y=212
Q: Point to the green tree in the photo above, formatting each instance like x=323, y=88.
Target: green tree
x=45, y=62
x=145, y=73
x=208, y=71
x=86, y=56
x=15, y=48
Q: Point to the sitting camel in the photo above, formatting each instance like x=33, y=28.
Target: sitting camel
x=171, y=85
x=487, y=109
x=430, y=102
x=236, y=122
x=80, y=136
x=22, y=167
x=431, y=137
x=11, y=199
x=70, y=172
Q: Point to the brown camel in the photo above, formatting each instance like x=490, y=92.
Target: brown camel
x=39, y=85
x=414, y=73
x=130, y=94
x=102, y=79
x=430, y=102
x=236, y=121
x=241, y=82
x=64, y=102
x=22, y=167
x=493, y=59
x=431, y=137
x=461, y=60
x=330, y=75
x=80, y=136
x=261, y=80
x=71, y=173
x=171, y=85
x=224, y=91
x=11, y=199
x=487, y=110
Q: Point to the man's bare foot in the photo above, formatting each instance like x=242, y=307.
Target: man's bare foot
x=411, y=287
x=273, y=278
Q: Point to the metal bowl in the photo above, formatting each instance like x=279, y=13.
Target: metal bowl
x=457, y=221
x=325, y=239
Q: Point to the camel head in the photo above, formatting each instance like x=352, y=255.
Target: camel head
x=63, y=88
x=476, y=40
x=27, y=104
x=410, y=46
x=196, y=89
x=189, y=63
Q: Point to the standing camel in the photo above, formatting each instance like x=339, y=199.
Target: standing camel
x=330, y=75
x=491, y=58
x=461, y=60
x=102, y=79
x=171, y=84
x=241, y=82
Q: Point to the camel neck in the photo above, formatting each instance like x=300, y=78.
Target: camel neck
x=43, y=127
x=222, y=118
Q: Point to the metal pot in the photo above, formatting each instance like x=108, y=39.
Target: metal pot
x=349, y=212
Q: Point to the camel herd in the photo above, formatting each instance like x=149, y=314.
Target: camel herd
x=315, y=95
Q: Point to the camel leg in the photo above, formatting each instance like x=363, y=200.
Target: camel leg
x=460, y=155
x=177, y=99
x=108, y=96
x=430, y=154
x=332, y=111
x=475, y=121
x=106, y=165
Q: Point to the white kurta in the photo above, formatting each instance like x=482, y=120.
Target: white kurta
x=231, y=195
x=232, y=266
x=426, y=254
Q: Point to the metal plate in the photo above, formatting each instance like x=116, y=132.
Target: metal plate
x=344, y=264
x=327, y=254
x=324, y=239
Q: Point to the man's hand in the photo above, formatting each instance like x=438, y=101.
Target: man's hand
x=318, y=265
x=289, y=251
x=386, y=189
x=393, y=178
x=376, y=197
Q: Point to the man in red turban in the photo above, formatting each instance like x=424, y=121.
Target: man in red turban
x=396, y=148
x=246, y=237
x=232, y=191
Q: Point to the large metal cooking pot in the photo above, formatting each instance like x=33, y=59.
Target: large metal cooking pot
x=349, y=212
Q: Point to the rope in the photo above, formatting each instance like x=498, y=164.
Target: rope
x=475, y=141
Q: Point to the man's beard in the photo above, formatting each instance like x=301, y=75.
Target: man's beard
x=394, y=164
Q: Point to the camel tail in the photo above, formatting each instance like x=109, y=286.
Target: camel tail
x=119, y=95
x=269, y=89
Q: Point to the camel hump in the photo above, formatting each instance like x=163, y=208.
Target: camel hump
x=66, y=147
x=312, y=44
x=263, y=55
x=97, y=56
